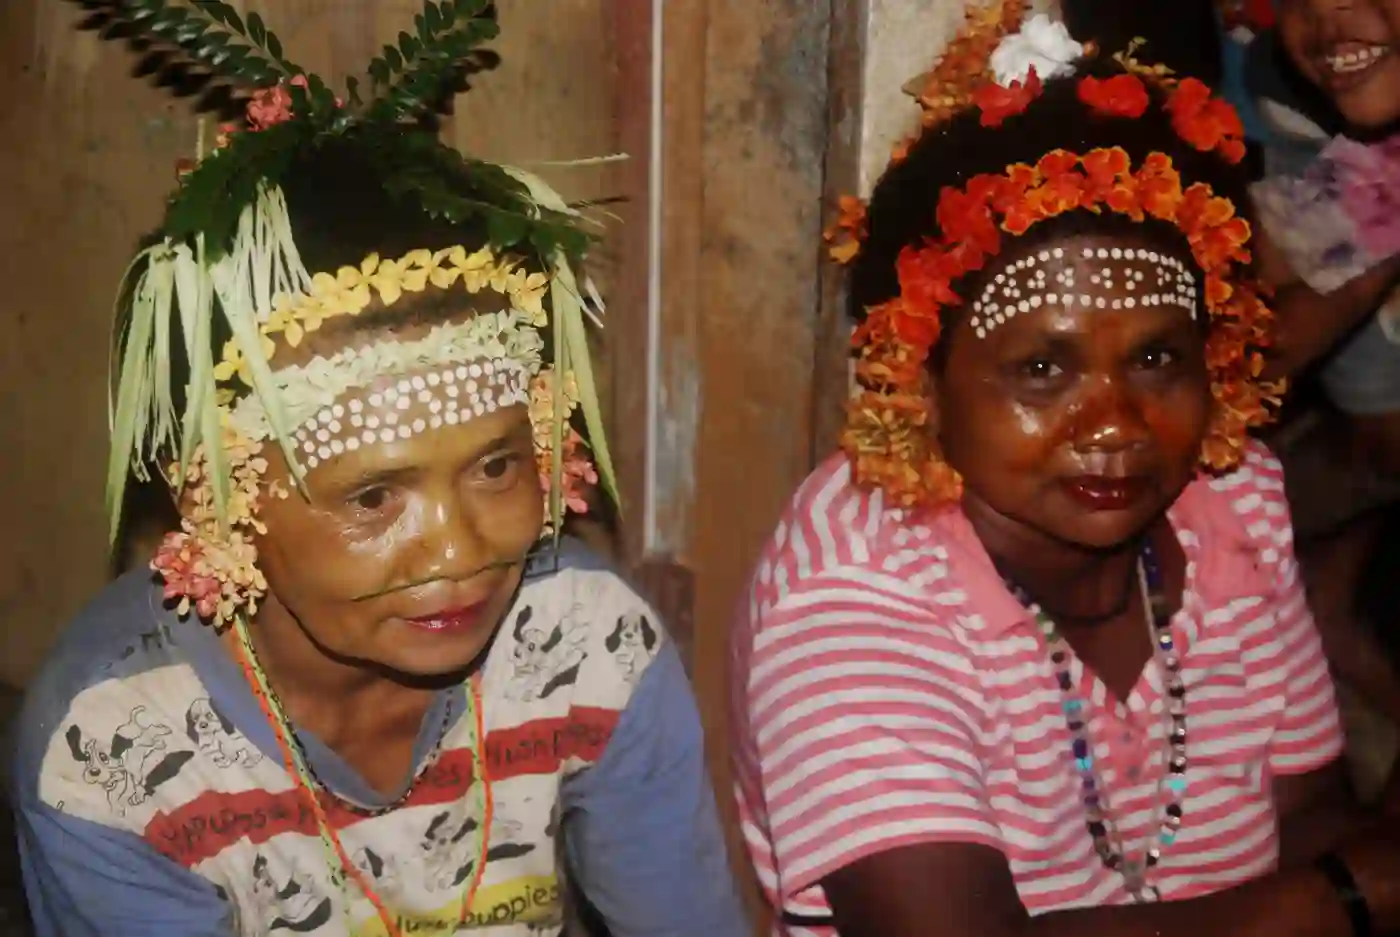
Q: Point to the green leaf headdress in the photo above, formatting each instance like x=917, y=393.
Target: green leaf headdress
x=226, y=256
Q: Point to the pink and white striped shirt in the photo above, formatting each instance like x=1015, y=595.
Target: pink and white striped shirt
x=889, y=691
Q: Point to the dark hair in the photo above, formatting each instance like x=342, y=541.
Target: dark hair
x=341, y=211
x=903, y=208
x=1183, y=35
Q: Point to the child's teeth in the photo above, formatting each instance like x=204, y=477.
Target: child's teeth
x=1355, y=61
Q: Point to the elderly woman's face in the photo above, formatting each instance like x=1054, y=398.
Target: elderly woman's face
x=1074, y=396
x=421, y=508
x=1351, y=50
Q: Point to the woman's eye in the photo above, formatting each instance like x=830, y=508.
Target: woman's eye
x=1154, y=358
x=371, y=499
x=500, y=469
x=1041, y=369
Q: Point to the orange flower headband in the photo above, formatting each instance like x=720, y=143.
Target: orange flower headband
x=890, y=435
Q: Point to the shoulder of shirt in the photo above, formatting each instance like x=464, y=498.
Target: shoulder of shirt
x=833, y=530
x=572, y=573
x=1247, y=504
x=122, y=632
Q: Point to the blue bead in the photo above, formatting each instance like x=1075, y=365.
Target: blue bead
x=1085, y=764
x=1167, y=838
x=1073, y=705
x=1177, y=784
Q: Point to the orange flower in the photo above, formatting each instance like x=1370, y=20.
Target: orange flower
x=925, y=276
x=1107, y=165
x=847, y=232
x=915, y=324
x=1061, y=193
x=1206, y=122
x=963, y=216
x=1119, y=96
x=1159, y=187
x=998, y=103
x=1056, y=163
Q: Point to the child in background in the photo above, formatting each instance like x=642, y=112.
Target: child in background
x=1323, y=78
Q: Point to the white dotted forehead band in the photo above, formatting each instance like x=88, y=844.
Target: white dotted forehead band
x=399, y=409
x=307, y=392
x=1118, y=278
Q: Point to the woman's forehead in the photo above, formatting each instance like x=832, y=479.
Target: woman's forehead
x=1080, y=275
x=394, y=410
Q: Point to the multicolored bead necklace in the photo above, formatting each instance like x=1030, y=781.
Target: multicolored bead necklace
x=297, y=766
x=1171, y=788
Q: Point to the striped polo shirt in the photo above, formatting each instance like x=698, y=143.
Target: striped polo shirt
x=889, y=691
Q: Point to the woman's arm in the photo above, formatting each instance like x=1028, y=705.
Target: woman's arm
x=641, y=827
x=87, y=880
x=954, y=890
x=1308, y=323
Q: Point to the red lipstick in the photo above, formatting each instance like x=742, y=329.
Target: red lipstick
x=450, y=620
x=1099, y=493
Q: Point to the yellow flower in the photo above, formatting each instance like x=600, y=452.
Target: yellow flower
x=500, y=277
x=477, y=269
x=527, y=294
x=442, y=275
x=234, y=363
x=284, y=320
x=388, y=281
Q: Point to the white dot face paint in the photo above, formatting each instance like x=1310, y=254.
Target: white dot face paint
x=1099, y=278
x=401, y=408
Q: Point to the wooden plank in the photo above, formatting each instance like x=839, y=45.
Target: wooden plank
x=746, y=129
x=629, y=337
x=831, y=366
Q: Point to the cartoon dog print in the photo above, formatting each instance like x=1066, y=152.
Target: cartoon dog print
x=132, y=765
x=217, y=737
x=445, y=865
x=544, y=660
x=383, y=871
x=632, y=644
x=291, y=906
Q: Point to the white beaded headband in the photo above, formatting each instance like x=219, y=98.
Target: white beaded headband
x=503, y=340
x=1150, y=278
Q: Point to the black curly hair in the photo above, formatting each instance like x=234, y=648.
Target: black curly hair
x=903, y=208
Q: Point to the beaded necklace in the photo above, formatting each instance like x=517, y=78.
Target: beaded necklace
x=1171, y=787
x=296, y=764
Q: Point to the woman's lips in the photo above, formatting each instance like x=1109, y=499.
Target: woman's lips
x=450, y=620
x=1100, y=493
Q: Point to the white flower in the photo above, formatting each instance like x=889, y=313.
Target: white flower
x=1042, y=43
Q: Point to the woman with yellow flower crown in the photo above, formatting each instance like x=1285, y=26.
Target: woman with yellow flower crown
x=1032, y=657
x=370, y=691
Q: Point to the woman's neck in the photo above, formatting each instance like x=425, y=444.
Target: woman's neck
x=319, y=689
x=1068, y=581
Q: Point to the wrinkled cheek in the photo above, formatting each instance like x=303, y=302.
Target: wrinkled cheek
x=318, y=572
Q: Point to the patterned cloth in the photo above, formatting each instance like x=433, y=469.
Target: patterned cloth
x=152, y=799
x=890, y=691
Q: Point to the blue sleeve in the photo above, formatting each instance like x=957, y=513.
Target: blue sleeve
x=640, y=827
x=86, y=880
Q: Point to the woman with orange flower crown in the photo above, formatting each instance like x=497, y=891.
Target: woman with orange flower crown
x=369, y=690
x=1031, y=657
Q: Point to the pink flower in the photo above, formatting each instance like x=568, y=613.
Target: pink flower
x=579, y=474
x=182, y=568
x=272, y=106
x=1369, y=178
